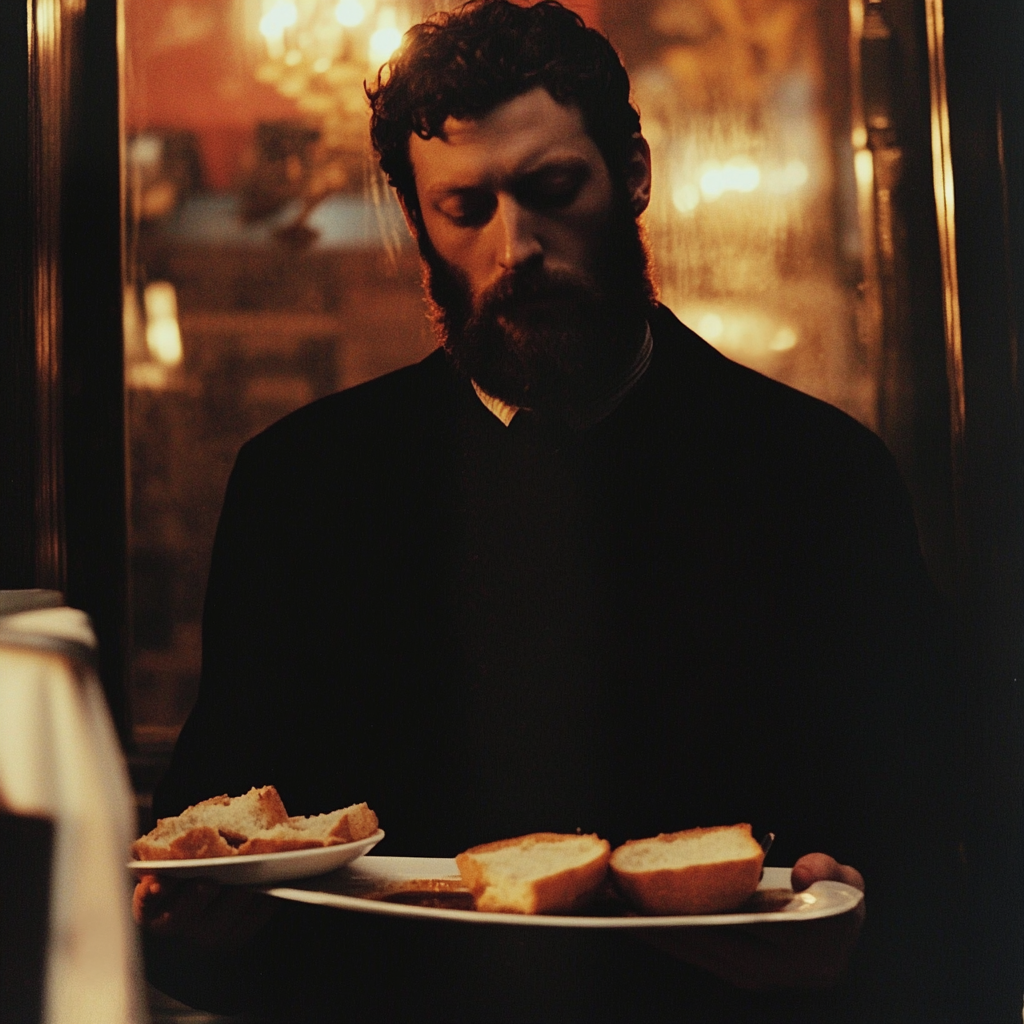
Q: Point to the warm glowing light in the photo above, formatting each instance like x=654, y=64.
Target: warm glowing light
x=686, y=197
x=794, y=174
x=864, y=167
x=383, y=43
x=710, y=327
x=386, y=39
x=737, y=175
x=322, y=64
x=163, y=339
x=161, y=301
x=282, y=15
x=783, y=180
x=293, y=57
x=349, y=13
x=146, y=150
x=784, y=340
x=163, y=336
x=742, y=333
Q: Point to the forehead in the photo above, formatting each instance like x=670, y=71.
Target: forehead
x=516, y=137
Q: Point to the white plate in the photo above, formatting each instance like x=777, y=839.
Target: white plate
x=362, y=885
x=262, y=868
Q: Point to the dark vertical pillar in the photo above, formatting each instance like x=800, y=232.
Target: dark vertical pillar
x=62, y=463
x=93, y=360
x=984, y=47
x=914, y=401
x=17, y=338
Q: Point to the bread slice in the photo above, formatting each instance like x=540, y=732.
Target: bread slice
x=212, y=828
x=542, y=873
x=342, y=826
x=192, y=844
x=700, y=871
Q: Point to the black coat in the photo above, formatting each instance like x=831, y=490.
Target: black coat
x=708, y=608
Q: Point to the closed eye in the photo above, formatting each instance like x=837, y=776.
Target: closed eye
x=469, y=207
x=551, y=188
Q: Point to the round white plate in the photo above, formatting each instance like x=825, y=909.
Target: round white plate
x=262, y=868
x=361, y=885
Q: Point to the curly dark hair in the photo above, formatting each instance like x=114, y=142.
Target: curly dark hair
x=466, y=62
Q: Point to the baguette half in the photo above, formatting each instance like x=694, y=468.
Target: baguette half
x=540, y=873
x=699, y=871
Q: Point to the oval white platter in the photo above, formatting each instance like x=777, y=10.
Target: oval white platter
x=361, y=885
x=261, y=868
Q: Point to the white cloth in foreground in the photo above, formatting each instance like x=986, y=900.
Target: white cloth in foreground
x=60, y=758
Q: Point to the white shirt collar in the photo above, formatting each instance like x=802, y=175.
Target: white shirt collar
x=604, y=405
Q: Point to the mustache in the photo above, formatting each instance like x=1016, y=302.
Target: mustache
x=537, y=336
x=532, y=285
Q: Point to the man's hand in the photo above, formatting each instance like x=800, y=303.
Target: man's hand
x=212, y=916
x=766, y=957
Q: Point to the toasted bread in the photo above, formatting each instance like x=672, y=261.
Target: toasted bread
x=699, y=871
x=256, y=822
x=232, y=819
x=343, y=826
x=541, y=873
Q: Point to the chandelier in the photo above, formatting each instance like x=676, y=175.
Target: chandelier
x=321, y=34
x=319, y=54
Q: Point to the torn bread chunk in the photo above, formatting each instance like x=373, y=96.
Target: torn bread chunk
x=256, y=822
x=541, y=873
x=343, y=826
x=699, y=871
x=234, y=819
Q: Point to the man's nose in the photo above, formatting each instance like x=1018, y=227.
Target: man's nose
x=517, y=241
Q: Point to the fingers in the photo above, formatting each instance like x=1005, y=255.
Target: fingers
x=153, y=898
x=819, y=867
x=212, y=916
x=146, y=890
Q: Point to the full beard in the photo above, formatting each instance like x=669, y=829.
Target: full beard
x=542, y=340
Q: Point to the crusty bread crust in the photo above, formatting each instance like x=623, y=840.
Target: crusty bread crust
x=354, y=823
x=709, y=887
x=253, y=823
x=279, y=844
x=564, y=886
x=343, y=826
x=192, y=844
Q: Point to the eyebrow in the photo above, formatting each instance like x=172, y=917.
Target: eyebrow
x=567, y=163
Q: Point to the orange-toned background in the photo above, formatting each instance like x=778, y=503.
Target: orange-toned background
x=190, y=65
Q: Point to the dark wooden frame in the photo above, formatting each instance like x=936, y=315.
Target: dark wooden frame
x=983, y=47
x=62, y=490
x=31, y=541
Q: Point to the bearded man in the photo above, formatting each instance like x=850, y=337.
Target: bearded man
x=575, y=570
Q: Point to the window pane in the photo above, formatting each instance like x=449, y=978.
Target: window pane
x=754, y=218
x=267, y=267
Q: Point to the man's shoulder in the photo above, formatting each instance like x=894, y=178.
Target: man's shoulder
x=740, y=401
x=765, y=435
x=399, y=406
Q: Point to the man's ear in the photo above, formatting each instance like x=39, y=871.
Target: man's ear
x=638, y=174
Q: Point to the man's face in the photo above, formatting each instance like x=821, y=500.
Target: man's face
x=524, y=249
